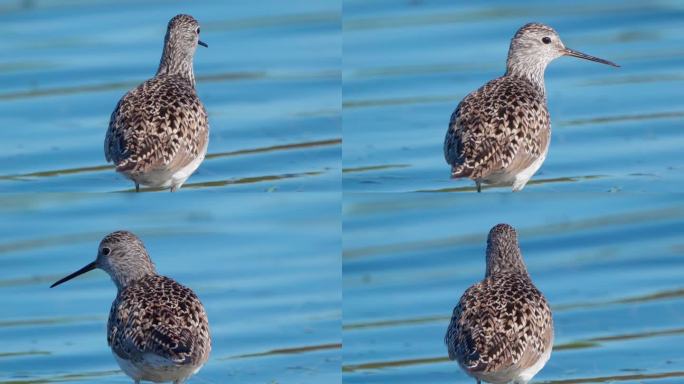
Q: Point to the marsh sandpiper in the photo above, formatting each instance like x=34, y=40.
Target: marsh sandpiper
x=500, y=134
x=159, y=131
x=157, y=329
x=501, y=331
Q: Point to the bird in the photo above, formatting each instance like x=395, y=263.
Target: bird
x=159, y=131
x=499, y=134
x=501, y=331
x=157, y=329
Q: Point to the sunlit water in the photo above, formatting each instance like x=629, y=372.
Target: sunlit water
x=611, y=267
x=270, y=80
x=407, y=64
x=266, y=267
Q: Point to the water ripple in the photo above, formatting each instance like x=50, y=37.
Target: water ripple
x=286, y=351
x=240, y=152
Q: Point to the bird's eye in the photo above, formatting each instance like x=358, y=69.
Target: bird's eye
x=105, y=251
x=546, y=40
x=198, y=30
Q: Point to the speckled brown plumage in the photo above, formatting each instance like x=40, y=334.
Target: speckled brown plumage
x=157, y=329
x=501, y=331
x=160, y=316
x=158, y=132
x=500, y=134
x=502, y=127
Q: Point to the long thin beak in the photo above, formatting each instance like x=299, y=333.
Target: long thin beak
x=81, y=271
x=571, y=52
x=202, y=43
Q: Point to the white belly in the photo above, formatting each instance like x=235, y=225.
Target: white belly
x=179, y=177
x=510, y=176
x=526, y=174
x=156, y=369
x=527, y=374
x=166, y=178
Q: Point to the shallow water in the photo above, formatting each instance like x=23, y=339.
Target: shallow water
x=266, y=268
x=611, y=267
x=408, y=64
x=270, y=80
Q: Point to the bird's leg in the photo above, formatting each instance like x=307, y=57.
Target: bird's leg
x=137, y=187
x=479, y=189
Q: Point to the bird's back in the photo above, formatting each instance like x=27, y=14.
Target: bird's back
x=501, y=327
x=502, y=127
x=158, y=321
x=159, y=126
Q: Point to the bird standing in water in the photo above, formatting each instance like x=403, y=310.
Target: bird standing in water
x=158, y=330
x=501, y=331
x=500, y=134
x=159, y=131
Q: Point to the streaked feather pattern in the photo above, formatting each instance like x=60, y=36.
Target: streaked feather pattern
x=501, y=331
x=158, y=132
x=159, y=316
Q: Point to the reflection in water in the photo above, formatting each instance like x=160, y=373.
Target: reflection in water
x=26, y=353
x=209, y=157
x=580, y=344
x=398, y=363
x=374, y=168
x=77, y=377
x=287, y=351
x=249, y=180
x=349, y=104
x=531, y=182
x=51, y=321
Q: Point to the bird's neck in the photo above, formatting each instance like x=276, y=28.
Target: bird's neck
x=176, y=63
x=530, y=70
x=505, y=260
x=124, y=279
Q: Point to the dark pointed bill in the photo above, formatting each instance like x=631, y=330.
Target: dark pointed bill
x=81, y=271
x=573, y=53
x=202, y=43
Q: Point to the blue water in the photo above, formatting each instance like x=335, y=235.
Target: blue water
x=266, y=268
x=407, y=65
x=611, y=267
x=270, y=80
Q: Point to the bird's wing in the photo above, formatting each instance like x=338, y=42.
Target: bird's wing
x=160, y=125
x=500, y=125
x=461, y=338
x=500, y=325
x=539, y=338
x=161, y=317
